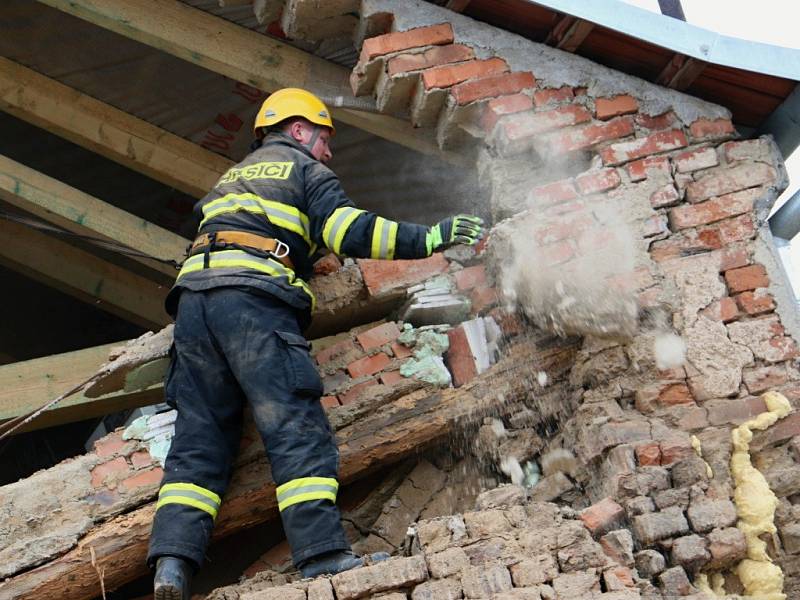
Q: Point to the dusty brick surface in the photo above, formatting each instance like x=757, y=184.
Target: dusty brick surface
x=599, y=181
x=378, y=336
x=638, y=170
x=727, y=547
x=703, y=129
x=746, y=278
x=652, y=527
x=485, y=581
x=387, y=277
x=587, y=136
x=388, y=575
x=602, y=517
x=448, y=562
x=655, y=143
x=446, y=76
x=704, y=158
x=369, y=365
x=492, y=86
x=502, y=106
x=432, y=57
x=551, y=96
x=533, y=571
x=713, y=210
x=724, y=181
x=607, y=108
x=404, y=40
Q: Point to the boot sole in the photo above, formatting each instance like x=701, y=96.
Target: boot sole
x=168, y=592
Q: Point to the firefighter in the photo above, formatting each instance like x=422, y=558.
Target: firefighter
x=240, y=304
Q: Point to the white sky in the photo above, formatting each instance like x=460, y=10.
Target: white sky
x=768, y=21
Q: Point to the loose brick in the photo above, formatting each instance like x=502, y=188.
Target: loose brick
x=114, y=467
x=782, y=431
x=764, y=378
x=755, y=150
x=655, y=225
x=432, y=57
x=388, y=575
x=651, y=527
x=746, y=278
x=690, y=552
x=618, y=545
x=329, y=402
x=459, y=357
x=618, y=578
x=431, y=590
x=736, y=229
x=470, y=277
x=449, y=75
x=639, y=169
x=504, y=105
x=607, y=108
x=727, y=547
x=448, y=562
x=400, y=351
x=550, y=96
x=358, y=392
x=369, y=365
x=724, y=181
x=734, y=411
x=648, y=455
x=704, y=129
x=664, y=196
x=705, y=515
x=667, y=120
x=710, y=211
x=577, y=585
x=151, y=477
x=485, y=581
x=433, y=35
x=725, y=310
x=492, y=86
x=378, y=336
x=517, y=132
x=345, y=349
x=662, y=141
x=693, y=160
x=584, y=138
x=328, y=264
x=674, y=583
x=552, y=193
x=755, y=303
x=675, y=394
x=391, y=378
x=391, y=277
x=141, y=459
x=110, y=445
x=733, y=258
x=533, y=571
x=595, y=182
x=602, y=517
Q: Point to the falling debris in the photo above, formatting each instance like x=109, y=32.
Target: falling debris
x=541, y=378
x=558, y=460
x=498, y=428
x=511, y=467
x=669, y=350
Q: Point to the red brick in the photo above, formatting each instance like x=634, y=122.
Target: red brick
x=555, y=254
x=504, y=105
x=667, y=120
x=782, y=431
x=357, y=392
x=639, y=169
x=329, y=402
x=448, y=75
x=618, y=578
x=552, y=96
x=459, y=357
x=483, y=297
x=378, y=336
x=785, y=347
x=391, y=378
x=492, y=86
x=552, y=193
x=346, y=347
x=517, y=132
x=607, y=108
x=510, y=323
x=733, y=258
x=712, y=210
x=693, y=242
x=673, y=451
x=141, y=459
x=401, y=351
x=648, y=455
x=470, y=277
x=549, y=232
x=675, y=394
x=692, y=160
x=756, y=150
x=328, y=264
x=755, y=303
x=655, y=225
x=433, y=35
x=432, y=57
x=385, y=277
x=724, y=309
x=602, y=517
x=746, y=278
x=583, y=138
x=666, y=195
x=369, y=365
x=734, y=411
x=703, y=129
x=661, y=141
x=101, y=472
x=733, y=179
x=764, y=378
x=110, y=444
x=595, y=182
x=736, y=229
x=151, y=477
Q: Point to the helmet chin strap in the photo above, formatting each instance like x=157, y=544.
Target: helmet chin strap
x=314, y=137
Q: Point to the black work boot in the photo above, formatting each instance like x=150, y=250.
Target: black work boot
x=338, y=561
x=173, y=576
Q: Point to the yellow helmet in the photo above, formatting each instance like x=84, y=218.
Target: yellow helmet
x=292, y=102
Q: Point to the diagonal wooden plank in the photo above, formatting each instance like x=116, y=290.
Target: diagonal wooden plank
x=67, y=207
x=108, y=131
x=244, y=55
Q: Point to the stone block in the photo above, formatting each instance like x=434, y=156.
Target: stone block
x=485, y=581
x=652, y=527
x=504, y=495
x=284, y=592
x=438, y=534
x=706, y=514
x=441, y=589
x=486, y=523
x=390, y=574
x=650, y=563
x=619, y=546
x=727, y=547
x=448, y=562
x=672, y=497
x=674, y=582
x=618, y=578
x=602, y=517
x=320, y=589
x=570, y=586
x=551, y=487
x=690, y=552
x=534, y=570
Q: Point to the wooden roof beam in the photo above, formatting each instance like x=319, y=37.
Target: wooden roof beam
x=680, y=72
x=457, y=5
x=569, y=33
x=62, y=205
x=244, y=55
x=83, y=275
x=108, y=131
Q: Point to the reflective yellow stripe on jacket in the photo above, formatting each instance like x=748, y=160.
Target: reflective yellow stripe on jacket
x=189, y=494
x=228, y=259
x=305, y=489
x=336, y=226
x=282, y=215
x=384, y=238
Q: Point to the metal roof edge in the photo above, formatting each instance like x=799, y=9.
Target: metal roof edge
x=682, y=37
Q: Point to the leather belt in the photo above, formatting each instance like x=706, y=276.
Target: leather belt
x=276, y=248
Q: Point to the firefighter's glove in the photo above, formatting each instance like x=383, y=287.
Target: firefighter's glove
x=460, y=229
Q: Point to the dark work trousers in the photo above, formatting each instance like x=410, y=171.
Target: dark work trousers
x=233, y=345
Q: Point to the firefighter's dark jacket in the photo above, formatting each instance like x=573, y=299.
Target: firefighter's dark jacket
x=281, y=191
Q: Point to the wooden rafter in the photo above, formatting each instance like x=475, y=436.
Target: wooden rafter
x=569, y=33
x=457, y=5
x=241, y=54
x=67, y=207
x=108, y=131
x=83, y=275
x=680, y=72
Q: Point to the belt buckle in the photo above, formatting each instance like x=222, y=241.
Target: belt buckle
x=281, y=250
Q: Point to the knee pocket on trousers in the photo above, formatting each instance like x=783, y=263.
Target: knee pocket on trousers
x=302, y=373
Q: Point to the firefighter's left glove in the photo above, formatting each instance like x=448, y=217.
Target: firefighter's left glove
x=460, y=229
